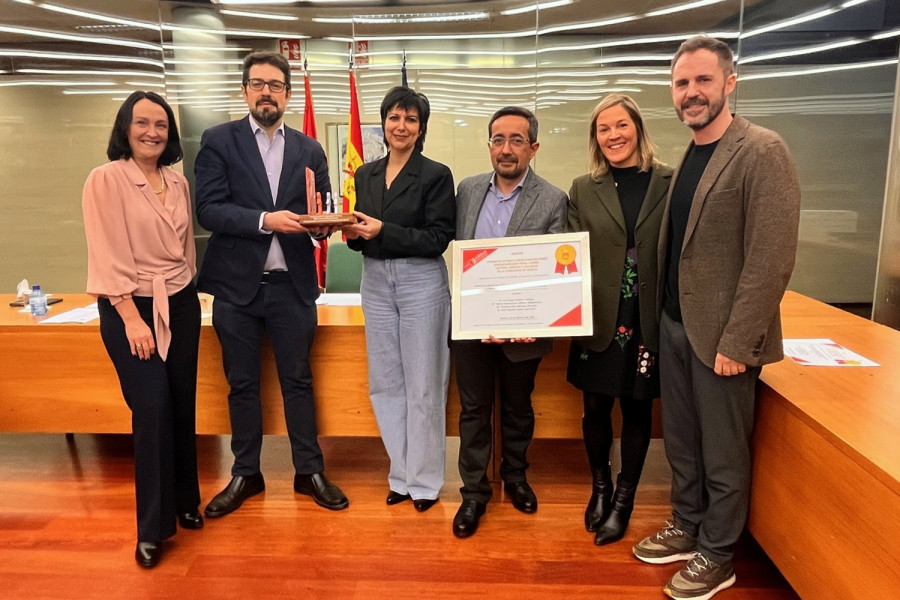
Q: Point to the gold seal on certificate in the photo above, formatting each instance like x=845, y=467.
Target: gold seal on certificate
x=530, y=286
x=565, y=259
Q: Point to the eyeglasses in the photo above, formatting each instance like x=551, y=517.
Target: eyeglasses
x=257, y=85
x=517, y=142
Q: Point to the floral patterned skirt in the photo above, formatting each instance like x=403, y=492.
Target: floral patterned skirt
x=618, y=371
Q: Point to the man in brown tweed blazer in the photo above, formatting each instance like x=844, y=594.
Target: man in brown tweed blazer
x=726, y=251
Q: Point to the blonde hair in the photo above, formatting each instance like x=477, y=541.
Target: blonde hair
x=646, y=148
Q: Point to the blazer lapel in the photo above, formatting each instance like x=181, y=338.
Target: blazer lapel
x=663, y=243
x=656, y=193
x=289, y=170
x=725, y=151
x=524, y=202
x=408, y=175
x=375, y=186
x=249, y=149
x=473, y=206
x=609, y=199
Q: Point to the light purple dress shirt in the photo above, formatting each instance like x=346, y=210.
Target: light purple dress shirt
x=496, y=211
x=272, y=154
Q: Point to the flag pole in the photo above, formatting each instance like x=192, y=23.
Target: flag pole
x=403, y=79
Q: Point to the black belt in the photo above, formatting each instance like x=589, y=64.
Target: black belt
x=275, y=277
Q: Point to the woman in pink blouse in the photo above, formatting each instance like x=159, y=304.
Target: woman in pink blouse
x=141, y=265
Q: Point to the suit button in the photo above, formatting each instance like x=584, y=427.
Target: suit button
x=640, y=244
x=644, y=285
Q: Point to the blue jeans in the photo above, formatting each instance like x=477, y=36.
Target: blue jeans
x=406, y=302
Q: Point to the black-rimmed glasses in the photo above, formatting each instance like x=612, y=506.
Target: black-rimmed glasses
x=258, y=84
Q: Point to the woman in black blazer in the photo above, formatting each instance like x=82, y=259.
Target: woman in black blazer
x=406, y=209
x=620, y=203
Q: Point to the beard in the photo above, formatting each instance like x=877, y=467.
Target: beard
x=713, y=110
x=267, y=115
x=510, y=172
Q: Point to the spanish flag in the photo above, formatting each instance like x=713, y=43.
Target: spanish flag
x=354, y=157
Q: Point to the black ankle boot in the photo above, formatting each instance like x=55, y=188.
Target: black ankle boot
x=601, y=497
x=613, y=529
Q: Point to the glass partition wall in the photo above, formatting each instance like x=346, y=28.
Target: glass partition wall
x=822, y=74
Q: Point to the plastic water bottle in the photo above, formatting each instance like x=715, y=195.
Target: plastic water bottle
x=37, y=301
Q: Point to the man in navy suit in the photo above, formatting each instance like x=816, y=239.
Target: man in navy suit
x=260, y=266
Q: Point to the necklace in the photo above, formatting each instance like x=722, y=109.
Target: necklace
x=162, y=182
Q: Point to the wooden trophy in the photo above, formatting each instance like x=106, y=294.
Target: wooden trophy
x=314, y=209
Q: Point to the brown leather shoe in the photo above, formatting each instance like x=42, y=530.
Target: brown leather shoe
x=326, y=494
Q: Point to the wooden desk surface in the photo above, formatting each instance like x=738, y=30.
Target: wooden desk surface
x=59, y=378
x=855, y=408
x=13, y=319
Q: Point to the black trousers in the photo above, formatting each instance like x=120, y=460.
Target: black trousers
x=707, y=425
x=478, y=368
x=637, y=425
x=162, y=397
x=278, y=311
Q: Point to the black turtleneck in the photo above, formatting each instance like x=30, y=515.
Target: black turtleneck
x=631, y=185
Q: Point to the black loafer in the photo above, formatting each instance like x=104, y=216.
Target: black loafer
x=147, y=554
x=190, y=520
x=465, y=523
x=326, y=494
x=522, y=495
x=423, y=504
x=396, y=498
x=230, y=499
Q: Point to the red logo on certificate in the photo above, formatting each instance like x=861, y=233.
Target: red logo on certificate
x=473, y=257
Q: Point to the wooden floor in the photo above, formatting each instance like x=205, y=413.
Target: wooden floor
x=67, y=531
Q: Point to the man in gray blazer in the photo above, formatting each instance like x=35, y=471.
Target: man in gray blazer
x=510, y=201
x=726, y=252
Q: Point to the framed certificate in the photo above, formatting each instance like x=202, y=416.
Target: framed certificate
x=529, y=286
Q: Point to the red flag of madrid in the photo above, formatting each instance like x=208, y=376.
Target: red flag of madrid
x=309, y=117
x=309, y=128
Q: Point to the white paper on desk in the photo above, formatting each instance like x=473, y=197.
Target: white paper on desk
x=85, y=314
x=824, y=353
x=339, y=300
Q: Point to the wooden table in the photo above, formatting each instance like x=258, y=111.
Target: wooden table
x=58, y=378
x=825, y=502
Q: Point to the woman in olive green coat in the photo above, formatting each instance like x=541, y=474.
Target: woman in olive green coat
x=620, y=203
